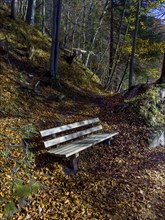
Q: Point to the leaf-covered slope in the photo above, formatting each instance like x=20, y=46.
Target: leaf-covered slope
x=20, y=37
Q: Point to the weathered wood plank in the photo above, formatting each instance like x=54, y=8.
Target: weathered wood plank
x=87, y=140
x=80, y=145
x=71, y=136
x=56, y=130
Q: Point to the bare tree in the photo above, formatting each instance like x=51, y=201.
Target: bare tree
x=43, y=16
x=55, y=37
x=97, y=31
x=31, y=12
x=14, y=9
x=134, y=43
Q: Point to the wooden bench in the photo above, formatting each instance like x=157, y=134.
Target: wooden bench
x=72, y=149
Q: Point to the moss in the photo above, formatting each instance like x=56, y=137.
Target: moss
x=147, y=106
x=162, y=85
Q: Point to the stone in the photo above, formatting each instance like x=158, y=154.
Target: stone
x=157, y=139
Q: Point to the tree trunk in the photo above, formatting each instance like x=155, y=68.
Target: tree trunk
x=97, y=31
x=67, y=17
x=31, y=12
x=83, y=25
x=43, y=16
x=14, y=9
x=114, y=55
x=88, y=23
x=74, y=32
x=134, y=44
x=162, y=77
x=25, y=6
x=124, y=74
x=111, y=39
x=55, y=37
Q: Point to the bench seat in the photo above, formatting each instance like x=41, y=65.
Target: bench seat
x=64, y=142
x=80, y=145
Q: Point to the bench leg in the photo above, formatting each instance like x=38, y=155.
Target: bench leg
x=73, y=162
x=108, y=141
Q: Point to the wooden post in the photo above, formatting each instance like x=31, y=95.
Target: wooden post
x=73, y=162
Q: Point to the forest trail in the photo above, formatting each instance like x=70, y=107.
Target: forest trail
x=125, y=180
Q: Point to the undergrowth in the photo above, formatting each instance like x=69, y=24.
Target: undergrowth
x=148, y=106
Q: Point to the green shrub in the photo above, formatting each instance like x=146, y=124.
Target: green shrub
x=147, y=105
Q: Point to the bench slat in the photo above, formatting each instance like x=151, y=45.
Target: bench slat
x=87, y=140
x=81, y=145
x=56, y=130
x=65, y=138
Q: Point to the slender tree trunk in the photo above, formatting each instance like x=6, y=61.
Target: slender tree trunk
x=162, y=77
x=31, y=12
x=100, y=61
x=43, y=16
x=96, y=32
x=124, y=74
x=20, y=6
x=88, y=25
x=55, y=37
x=134, y=44
x=114, y=57
x=14, y=9
x=74, y=32
x=83, y=24
x=25, y=6
x=67, y=17
x=111, y=39
x=117, y=57
x=49, y=17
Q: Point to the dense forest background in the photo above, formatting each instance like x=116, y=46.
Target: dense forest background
x=121, y=41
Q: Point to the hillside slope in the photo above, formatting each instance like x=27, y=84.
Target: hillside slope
x=27, y=91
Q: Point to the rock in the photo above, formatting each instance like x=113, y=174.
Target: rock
x=157, y=139
x=57, y=98
x=120, y=108
x=162, y=94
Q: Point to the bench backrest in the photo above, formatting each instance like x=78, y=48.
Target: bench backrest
x=62, y=139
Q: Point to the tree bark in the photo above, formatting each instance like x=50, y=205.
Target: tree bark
x=88, y=24
x=55, y=37
x=162, y=77
x=111, y=38
x=43, y=16
x=14, y=9
x=97, y=31
x=114, y=56
x=74, y=32
x=134, y=44
x=124, y=74
x=31, y=12
x=66, y=19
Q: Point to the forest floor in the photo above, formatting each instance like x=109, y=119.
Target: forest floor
x=125, y=180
